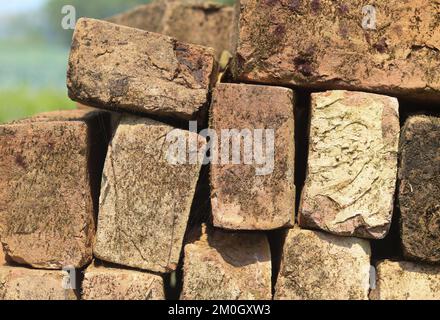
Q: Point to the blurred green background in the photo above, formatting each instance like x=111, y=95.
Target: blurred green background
x=34, y=49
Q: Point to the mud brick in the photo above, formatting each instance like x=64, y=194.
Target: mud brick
x=194, y=21
x=406, y=281
x=50, y=168
x=321, y=266
x=120, y=68
x=227, y=266
x=352, y=164
x=27, y=284
x=108, y=283
x=329, y=44
x=419, y=188
x=145, y=200
x=254, y=196
x=2, y=256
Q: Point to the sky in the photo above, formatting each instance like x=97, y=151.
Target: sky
x=17, y=6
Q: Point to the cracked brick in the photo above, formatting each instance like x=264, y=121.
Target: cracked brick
x=145, y=200
x=120, y=68
x=352, y=164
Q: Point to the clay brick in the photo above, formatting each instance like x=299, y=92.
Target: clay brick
x=194, y=21
x=419, y=188
x=2, y=256
x=321, y=266
x=323, y=44
x=121, y=68
x=406, y=281
x=227, y=266
x=107, y=283
x=352, y=164
x=145, y=201
x=247, y=196
x=28, y=284
x=51, y=168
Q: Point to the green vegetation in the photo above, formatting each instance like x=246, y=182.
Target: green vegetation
x=34, y=51
x=32, y=78
x=21, y=102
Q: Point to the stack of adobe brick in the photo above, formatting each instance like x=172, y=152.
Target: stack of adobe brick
x=364, y=172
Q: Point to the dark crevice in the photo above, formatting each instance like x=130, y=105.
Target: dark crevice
x=408, y=107
x=302, y=124
x=99, y=135
x=276, y=241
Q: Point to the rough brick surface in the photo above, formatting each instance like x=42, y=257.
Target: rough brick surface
x=50, y=167
x=145, y=201
x=321, y=266
x=194, y=21
x=406, y=281
x=419, y=188
x=27, y=284
x=116, y=67
x=241, y=198
x=352, y=164
x=2, y=256
x=227, y=266
x=102, y=283
x=322, y=43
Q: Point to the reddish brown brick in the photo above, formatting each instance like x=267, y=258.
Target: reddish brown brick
x=322, y=44
x=51, y=166
x=254, y=196
x=120, y=68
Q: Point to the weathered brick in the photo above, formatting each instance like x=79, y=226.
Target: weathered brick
x=406, y=281
x=321, y=266
x=323, y=44
x=2, y=256
x=120, y=68
x=227, y=266
x=51, y=166
x=419, y=188
x=108, y=283
x=254, y=196
x=194, y=21
x=28, y=284
x=352, y=164
x=145, y=201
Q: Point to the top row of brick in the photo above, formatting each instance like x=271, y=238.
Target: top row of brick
x=391, y=48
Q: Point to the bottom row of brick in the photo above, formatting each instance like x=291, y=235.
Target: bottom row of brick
x=238, y=266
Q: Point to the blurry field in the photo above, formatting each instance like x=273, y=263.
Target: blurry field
x=32, y=65
x=32, y=79
x=16, y=103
